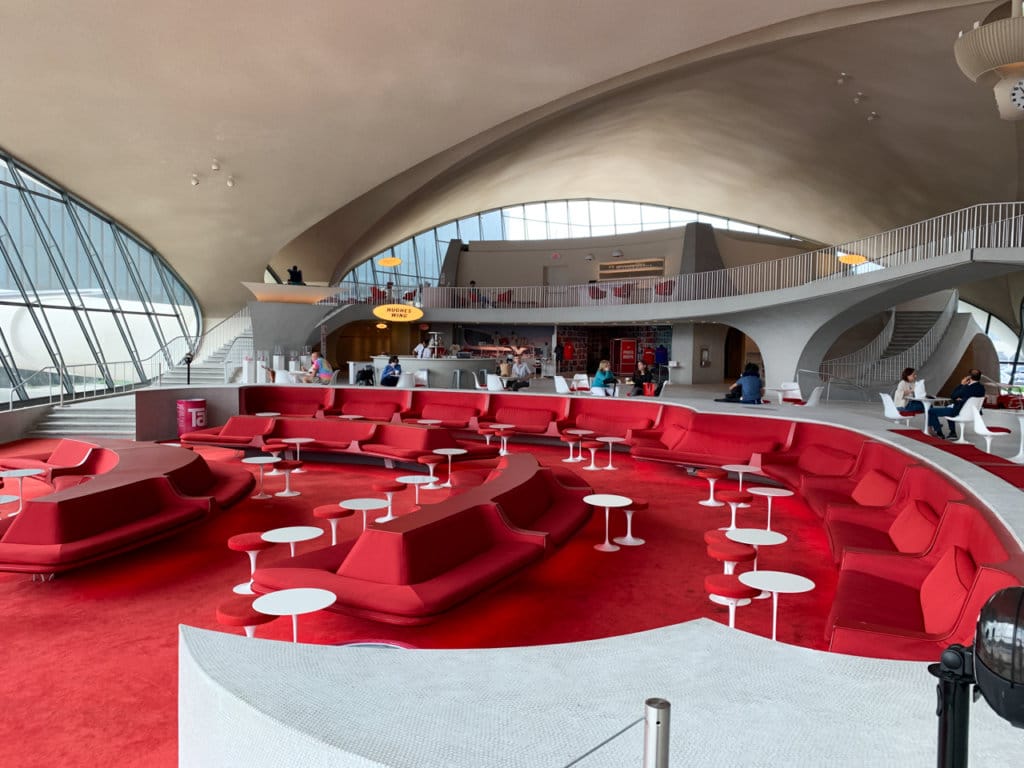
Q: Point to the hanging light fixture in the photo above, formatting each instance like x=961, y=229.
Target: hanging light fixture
x=388, y=261
x=853, y=259
x=382, y=326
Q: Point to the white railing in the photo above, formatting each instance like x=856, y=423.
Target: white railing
x=224, y=332
x=991, y=225
x=850, y=365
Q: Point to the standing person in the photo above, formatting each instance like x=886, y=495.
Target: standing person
x=423, y=351
x=389, y=376
x=903, y=397
x=520, y=375
x=604, y=380
x=319, y=370
x=641, y=376
x=749, y=384
x=970, y=386
x=558, y=351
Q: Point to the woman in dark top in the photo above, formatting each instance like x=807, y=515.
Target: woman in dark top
x=642, y=375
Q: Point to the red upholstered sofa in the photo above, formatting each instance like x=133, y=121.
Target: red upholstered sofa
x=407, y=442
x=907, y=525
x=454, y=409
x=150, y=492
x=415, y=567
x=912, y=607
x=329, y=435
x=815, y=449
x=530, y=414
x=288, y=401
x=68, y=457
x=872, y=483
x=702, y=439
x=614, y=418
x=376, y=404
x=237, y=432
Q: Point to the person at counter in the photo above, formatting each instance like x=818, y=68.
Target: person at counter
x=389, y=376
x=423, y=351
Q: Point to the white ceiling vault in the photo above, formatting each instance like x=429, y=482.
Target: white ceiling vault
x=347, y=125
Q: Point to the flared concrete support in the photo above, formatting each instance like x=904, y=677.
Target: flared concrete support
x=689, y=340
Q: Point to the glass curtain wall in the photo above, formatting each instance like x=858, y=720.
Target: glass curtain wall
x=422, y=255
x=84, y=305
x=1006, y=342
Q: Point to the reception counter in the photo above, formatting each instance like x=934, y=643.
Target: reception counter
x=442, y=372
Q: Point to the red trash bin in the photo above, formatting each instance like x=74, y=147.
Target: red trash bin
x=191, y=416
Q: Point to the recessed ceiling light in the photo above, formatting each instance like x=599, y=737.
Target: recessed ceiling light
x=215, y=166
x=843, y=77
x=231, y=181
x=859, y=97
x=195, y=180
x=873, y=116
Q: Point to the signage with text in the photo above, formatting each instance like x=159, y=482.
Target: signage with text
x=398, y=313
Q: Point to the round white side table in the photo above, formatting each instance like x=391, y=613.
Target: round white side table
x=260, y=462
x=294, y=602
x=769, y=492
x=449, y=452
x=776, y=582
x=607, y=500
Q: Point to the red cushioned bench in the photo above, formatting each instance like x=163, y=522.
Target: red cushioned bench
x=872, y=483
x=615, y=418
x=409, y=570
x=912, y=607
x=529, y=414
x=815, y=449
x=375, y=404
x=407, y=442
x=330, y=435
x=907, y=525
x=698, y=439
x=456, y=410
x=237, y=432
x=69, y=457
x=288, y=401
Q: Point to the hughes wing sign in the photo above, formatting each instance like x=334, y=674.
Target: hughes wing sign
x=398, y=313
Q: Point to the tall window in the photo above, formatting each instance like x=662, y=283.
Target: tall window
x=81, y=298
x=423, y=253
x=1006, y=342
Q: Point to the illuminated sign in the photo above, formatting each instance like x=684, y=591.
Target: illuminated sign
x=398, y=313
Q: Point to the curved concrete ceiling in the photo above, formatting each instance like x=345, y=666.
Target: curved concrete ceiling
x=316, y=106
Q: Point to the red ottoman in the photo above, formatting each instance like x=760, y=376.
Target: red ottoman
x=252, y=544
x=238, y=612
x=731, y=552
x=712, y=475
x=734, y=499
x=389, y=488
x=726, y=589
x=629, y=540
x=332, y=513
x=593, y=446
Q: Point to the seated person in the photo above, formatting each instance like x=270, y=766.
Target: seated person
x=319, y=370
x=295, y=275
x=389, y=376
x=642, y=375
x=903, y=397
x=970, y=386
x=751, y=390
x=520, y=375
x=476, y=298
x=604, y=380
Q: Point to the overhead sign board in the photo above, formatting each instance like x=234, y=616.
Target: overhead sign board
x=398, y=313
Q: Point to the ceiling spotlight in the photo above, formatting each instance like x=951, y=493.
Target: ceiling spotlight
x=231, y=181
x=381, y=326
x=215, y=166
x=859, y=97
x=843, y=77
x=873, y=116
x=195, y=179
x=617, y=254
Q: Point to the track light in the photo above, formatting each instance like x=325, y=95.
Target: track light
x=215, y=166
x=195, y=180
x=843, y=77
x=873, y=116
x=859, y=97
x=231, y=181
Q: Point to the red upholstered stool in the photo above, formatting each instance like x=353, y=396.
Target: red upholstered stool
x=252, y=544
x=430, y=461
x=486, y=432
x=731, y=552
x=287, y=467
x=712, y=475
x=504, y=434
x=593, y=446
x=726, y=589
x=389, y=488
x=238, y=612
x=332, y=513
x=629, y=540
x=572, y=440
x=274, y=449
x=715, y=537
x=734, y=499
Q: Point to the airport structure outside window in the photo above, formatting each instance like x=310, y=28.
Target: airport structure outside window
x=1006, y=342
x=423, y=254
x=81, y=298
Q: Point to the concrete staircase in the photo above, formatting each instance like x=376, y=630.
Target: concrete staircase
x=211, y=369
x=111, y=417
x=908, y=329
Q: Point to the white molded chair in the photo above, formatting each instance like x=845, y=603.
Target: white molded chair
x=965, y=417
x=421, y=378
x=813, y=399
x=981, y=428
x=406, y=380
x=893, y=413
x=789, y=390
x=580, y=383
x=562, y=386
x=664, y=386
x=494, y=383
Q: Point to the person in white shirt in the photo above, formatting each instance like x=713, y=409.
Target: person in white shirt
x=903, y=397
x=520, y=374
x=422, y=351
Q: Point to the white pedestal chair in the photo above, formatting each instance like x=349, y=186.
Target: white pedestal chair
x=893, y=413
x=981, y=428
x=965, y=417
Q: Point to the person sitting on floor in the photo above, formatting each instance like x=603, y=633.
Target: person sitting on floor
x=319, y=370
x=970, y=386
x=604, y=382
x=389, y=376
x=520, y=375
x=750, y=387
x=903, y=397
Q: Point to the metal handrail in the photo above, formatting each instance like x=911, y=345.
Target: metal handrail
x=868, y=353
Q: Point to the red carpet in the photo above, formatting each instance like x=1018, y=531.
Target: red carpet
x=1002, y=468
x=91, y=672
